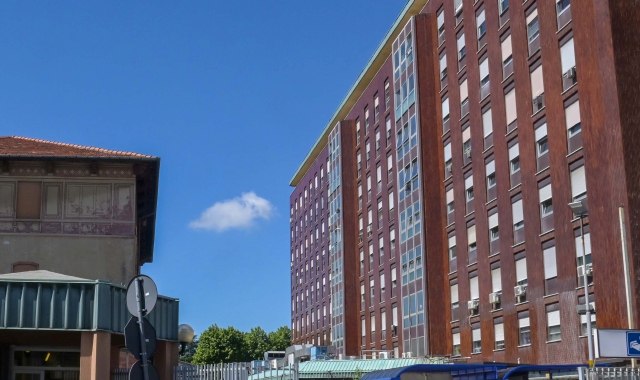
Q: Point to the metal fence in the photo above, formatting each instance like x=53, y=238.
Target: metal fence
x=120, y=374
x=610, y=373
x=231, y=371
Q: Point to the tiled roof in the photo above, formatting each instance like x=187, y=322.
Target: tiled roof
x=29, y=147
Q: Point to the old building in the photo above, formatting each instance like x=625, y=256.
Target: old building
x=451, y=163
x=76, y=225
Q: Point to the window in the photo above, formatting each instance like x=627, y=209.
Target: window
x=518, y=221
x=537, y=89
x=388, y=126
x=359, y=160
x=572, y=115
x=498, y=331
x=359, y=196
x=510, y=105
x=466, y=144
x=453, y=287
x=484, y=72
x=376, y=108
x=550, y=269
x=362, y=296
x=533, y=30
x=468, y=184
x=394, y=280
x=503, y=5
x=493, y=228
x=363, y=329
x=441, y=27
x=462, y=50
x=389, y=168
x=475, y=335
x=583, y=318
x=379, y=213
x=368, y=152
x=464, y=96
x=487, y=124
x=482, y=25
x=366, y=119
x=379, y=178
x=372, y=289
x=88, y=200
x=387, y=95
x=507, y=57
x=457, y=5
x=473, y=285
x=524, y=330
x=580, y=258
x=391, y=202
x=445, y=110
x=514, y=158
x=578, y=184
x=361, y=261
x=357, y=133
x=382, y=286
x=443, y=67
x=491, y=174
x=568, y=62
x=546, y=203
x=496, y=280
x=553, y=322
x=521, y=269
x=471, y=238
x=449, y=200
x=562, y=5
x=447, y=160
x=456, y=342
x=542, y=144
x=368, y=188
x=452, y=248
x=377, y=142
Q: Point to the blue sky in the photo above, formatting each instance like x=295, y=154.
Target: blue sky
x=231, y=95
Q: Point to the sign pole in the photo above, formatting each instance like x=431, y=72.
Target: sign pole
x=141, y=313
x=586, y=295
x=627, y=275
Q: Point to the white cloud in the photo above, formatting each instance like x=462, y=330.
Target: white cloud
x=239, y=212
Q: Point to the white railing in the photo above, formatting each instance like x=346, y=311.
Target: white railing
x=610, y=373
x=231, y=371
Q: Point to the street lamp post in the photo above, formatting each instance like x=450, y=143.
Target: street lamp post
x=580, y=209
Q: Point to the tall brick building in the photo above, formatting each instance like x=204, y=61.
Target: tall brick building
x=430, y=217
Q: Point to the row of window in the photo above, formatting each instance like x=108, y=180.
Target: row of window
x=553, y=329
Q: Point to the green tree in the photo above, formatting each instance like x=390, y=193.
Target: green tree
x=280, y=339
x=220, y=345
x=256, y=344
x=190, y=351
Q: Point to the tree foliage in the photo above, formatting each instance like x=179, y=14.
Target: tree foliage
x=280, y=339
x=229, y=345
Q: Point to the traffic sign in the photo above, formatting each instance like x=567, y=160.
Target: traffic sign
x=150, y=295
x=633, y=343
x=132, y=338
x=136, y=372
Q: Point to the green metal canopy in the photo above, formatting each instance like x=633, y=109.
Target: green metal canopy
x=43, y=300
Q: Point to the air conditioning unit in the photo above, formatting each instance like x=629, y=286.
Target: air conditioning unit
x=383, y=355
x=407, y=186
x=520, y=290
x=570, y=74
x=467, y=152
x=538, y=102
x=589, y=270
x=473, y=304
x=369, y=229
x=494, y=298
x=443, y=73
x=448, y=166
x=407, y=354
